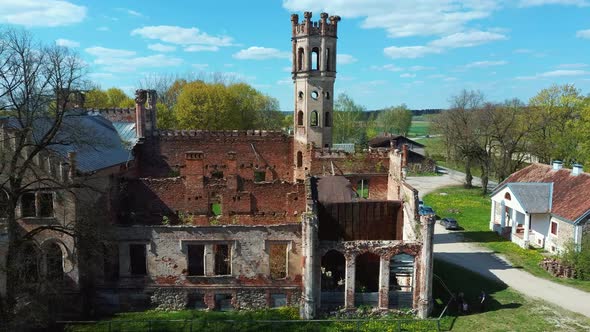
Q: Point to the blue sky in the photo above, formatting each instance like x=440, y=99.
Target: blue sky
x=417, y=52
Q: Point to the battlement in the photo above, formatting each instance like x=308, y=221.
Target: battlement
x=371, y=153
x=320, y=28
x=217, y=134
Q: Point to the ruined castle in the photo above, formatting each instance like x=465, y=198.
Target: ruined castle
x=250, y=219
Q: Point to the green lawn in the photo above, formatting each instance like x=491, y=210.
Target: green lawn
x=419, y=128
x=472, y=210
x=506, y=310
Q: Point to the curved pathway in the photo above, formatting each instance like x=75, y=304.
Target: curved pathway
x=451, y=248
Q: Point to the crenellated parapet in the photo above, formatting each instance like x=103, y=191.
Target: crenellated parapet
x=114, y=114
x=326, y=26
x=219, y=134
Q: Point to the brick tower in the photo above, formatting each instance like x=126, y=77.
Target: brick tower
x=314, y=73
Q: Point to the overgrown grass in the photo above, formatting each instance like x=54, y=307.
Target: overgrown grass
x=506, y=310
x=472, y=210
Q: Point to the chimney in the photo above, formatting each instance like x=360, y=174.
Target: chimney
x=557, y=165
x=577, y=169
x=140, y=99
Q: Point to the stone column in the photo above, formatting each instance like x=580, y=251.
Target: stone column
x=349, y=281
x=513, y=221
x=384, y=282
x=425, y=299
x=310, y=281
x=503, y=214
x=527, y=224
x=493, y=215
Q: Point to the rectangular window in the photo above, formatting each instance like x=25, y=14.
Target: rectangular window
x=222, y=259
x=196, y=260
x=278, y=300
x=362, y=188
x=259, y=176
x=27, y=203
x=46, y=205
x=553, y=228
x=137, y=259
x=278, y=260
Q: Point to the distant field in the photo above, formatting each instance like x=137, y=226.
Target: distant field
x=419, y=128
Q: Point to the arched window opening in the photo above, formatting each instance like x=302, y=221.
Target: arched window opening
x=300, y=118
x=29, y=267
x=327, y=95
x=333, y=272
x=300, y=57
x=315, y=58
x=54, y=262
x=401, y=281
x=299, y=159
x=314, y=121
x=327, y=59
x=507, y=197
x=366, y=277
x=300, y=94
x=327, y=120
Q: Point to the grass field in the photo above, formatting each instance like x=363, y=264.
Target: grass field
x=472, y=210
x=419, y=128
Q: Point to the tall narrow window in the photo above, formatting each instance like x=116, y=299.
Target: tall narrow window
x=29, y=264
x=137, y=259
x=46, y=205
x=54, y=262
x=362, y=188
x=222, y=259
x=314, y=119
x=196, y=260
x=300, y=118
x=278, y=260
x=328, y=59
x=300, y=57
x=27, y=204
x=315, y=58
x=327, y=120
x=299, y=159
x=553, y=228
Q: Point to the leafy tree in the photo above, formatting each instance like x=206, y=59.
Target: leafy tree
x=347, y=116
x=396, y=120
x=96, y=98
x=111, y=98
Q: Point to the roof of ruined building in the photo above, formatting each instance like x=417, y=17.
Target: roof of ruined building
x=570, y=192
x=533, y=197
x=383, y=141
x=93, y=138
x=335, y=189
x=127, y=133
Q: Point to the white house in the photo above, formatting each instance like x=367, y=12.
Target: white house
x=543, y=206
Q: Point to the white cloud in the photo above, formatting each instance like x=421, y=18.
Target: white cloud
x=103, y=28
x=201, y=48
x=388, y=67
x=532, y=3
x=407, y=75
x=200, y=66
x=47, y=13
x=585, y=34
x=161, y=47
x=456, y=40
x=555, y=74
x=134, y=13
x=117, y=60
x=66, y=43
x=484, y=64
x=192, y=38
x=403, y=18
x=420, y=68
x=345, y=59
x=572, y=65
x=261, y=53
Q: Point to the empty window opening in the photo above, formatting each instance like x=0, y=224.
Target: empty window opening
x=314, y=119
x=300, y=57
x=45, y=205
x=362, y=188
x=401, y=281
x=300, y=118
x=216, y=209
x=327, y=95
x=333, y=272
x=196, y=301
x=278, y=260
x=367, y=279
x=29, y=267
x=222, y=259
x=278, y=300
x=327, y=119
x=314, y=95
x=315, y=58
x=328, y=59
x=299, y=159
x=223, y=302
x=196, y=260
x=553, y=228
x=27, y=202
x=137, y=259
x=259, y=176
x=300, y=94
x=54, y=262
x=217, y=174
x=507, y=197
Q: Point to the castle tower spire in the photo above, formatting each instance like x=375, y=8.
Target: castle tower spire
x=314, y=73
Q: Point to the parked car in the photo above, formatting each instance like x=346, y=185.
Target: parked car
x=426, y=210
x=449, y=223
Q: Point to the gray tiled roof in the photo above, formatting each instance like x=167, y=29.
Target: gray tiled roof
x=534, y=197
x=127, y=133
x=94, y=139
